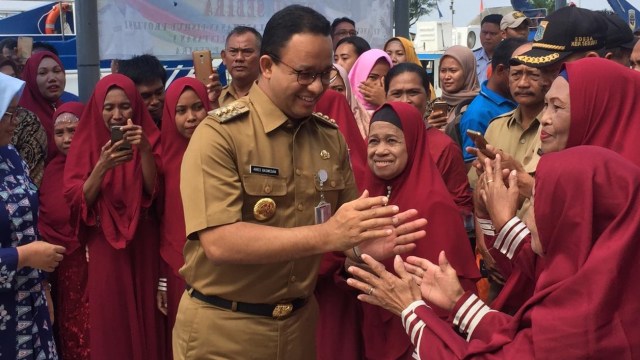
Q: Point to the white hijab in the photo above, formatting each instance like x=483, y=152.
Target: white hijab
x=10, y=88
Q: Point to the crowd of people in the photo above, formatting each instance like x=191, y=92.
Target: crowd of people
x=326, y=203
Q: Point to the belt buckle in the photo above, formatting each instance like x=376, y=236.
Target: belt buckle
x=282, y=310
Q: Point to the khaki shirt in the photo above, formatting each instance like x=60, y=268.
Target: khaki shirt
x=228, y=95
x=219, y=187
x=506, y=132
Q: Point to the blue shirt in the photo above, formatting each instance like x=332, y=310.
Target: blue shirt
x=484, y=107
x=482, y=64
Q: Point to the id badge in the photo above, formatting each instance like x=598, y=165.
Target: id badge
x=323, y=212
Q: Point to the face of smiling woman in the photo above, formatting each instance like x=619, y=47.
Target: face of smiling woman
x=386, y=151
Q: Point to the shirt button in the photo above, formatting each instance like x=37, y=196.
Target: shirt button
x=298, y=172
x=267, y=189
x=300, y=207
x=522, y=141
x=293, y=278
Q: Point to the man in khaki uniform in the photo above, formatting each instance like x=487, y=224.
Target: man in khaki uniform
x=256, y=177
x=241, y=56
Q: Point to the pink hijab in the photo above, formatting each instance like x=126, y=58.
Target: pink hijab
x=360, y=71
x=359, y=112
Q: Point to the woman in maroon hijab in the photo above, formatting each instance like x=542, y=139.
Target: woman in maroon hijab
x=592, y=102
x=402, y=169
x=110, y=188
x=45, y=79
x=70, y=278
x=585, y=303
x=186, y=105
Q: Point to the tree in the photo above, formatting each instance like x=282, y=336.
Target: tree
x=418, y=8
x=550, y=5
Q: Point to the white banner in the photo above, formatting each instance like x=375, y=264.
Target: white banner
x=172, y=29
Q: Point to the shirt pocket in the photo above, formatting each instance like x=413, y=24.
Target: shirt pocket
x=264, y=186
x=332, y=188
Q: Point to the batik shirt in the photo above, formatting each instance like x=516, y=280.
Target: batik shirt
x=25, y=327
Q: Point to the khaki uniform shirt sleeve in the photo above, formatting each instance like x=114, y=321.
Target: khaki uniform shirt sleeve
x=210, y=185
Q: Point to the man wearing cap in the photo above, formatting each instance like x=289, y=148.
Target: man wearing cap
x=620, y=40
x=490, y=37
x=567, y=34
x=515, y=24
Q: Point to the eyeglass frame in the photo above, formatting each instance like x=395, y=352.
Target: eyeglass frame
x=13, y=115
x=326, y=74
x=346, y=32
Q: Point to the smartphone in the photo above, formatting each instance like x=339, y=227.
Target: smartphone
x=202, y=65
x=440, y=106
x=25, y=47
x=116, y=135
x=481, y=143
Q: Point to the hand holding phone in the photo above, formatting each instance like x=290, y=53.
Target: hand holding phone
x=202, y=65
x=440, y=106
x=116, y=135
x=481, y=143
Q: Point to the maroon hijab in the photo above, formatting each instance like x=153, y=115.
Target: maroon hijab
x=117, y=208
x=54, y=213
x=603, y=106
x=335, y=105
x=587, y=295
x=173, y=148
x=420, y=187
x=33, y=100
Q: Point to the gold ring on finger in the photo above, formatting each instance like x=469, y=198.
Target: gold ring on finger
x=489, y=181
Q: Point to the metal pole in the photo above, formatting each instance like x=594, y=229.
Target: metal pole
x=402, y=18
x=87, y=47
x=452, y=12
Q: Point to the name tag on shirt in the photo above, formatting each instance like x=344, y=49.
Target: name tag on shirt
x=263, y=170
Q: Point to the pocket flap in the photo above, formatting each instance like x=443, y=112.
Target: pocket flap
x=261, y=185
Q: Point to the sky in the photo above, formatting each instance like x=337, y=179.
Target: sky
x=466, y=10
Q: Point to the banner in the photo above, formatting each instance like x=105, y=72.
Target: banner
x=172, y=29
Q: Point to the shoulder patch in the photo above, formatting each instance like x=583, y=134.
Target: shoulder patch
x=229, y=112
x=325, y=119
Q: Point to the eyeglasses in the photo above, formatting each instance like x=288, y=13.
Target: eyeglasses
x=346, y=33
x=306, y=78
x=14, y=116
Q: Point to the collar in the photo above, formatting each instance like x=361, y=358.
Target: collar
x=494, y=96
x=481, y=54
x=516, y=118
x=268, y=113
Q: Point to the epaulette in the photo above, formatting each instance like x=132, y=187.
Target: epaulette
x=506, y=115
x=229, y=112
x=325, y=119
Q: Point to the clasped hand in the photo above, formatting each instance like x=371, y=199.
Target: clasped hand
x=416, y=278
x=379, y=230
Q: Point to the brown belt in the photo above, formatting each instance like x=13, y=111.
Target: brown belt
x=277, y=311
